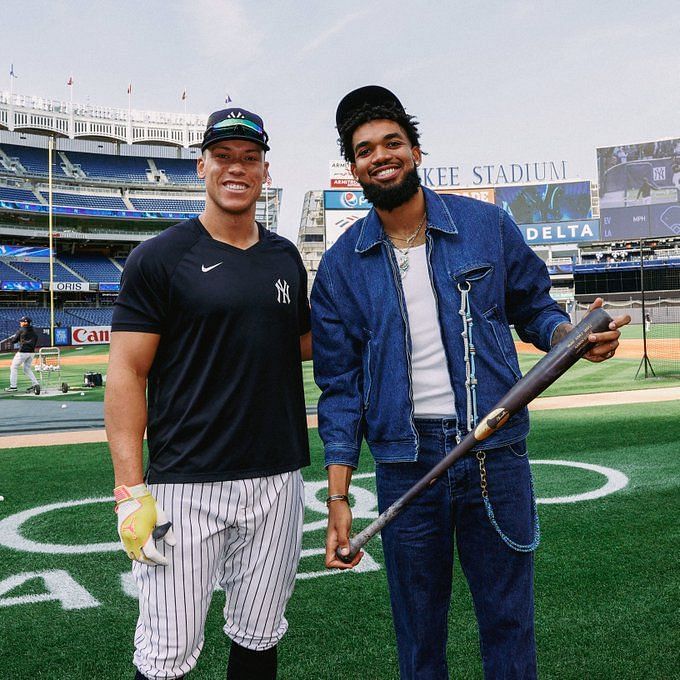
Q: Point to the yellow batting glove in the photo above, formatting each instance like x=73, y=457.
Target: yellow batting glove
x=141, y=521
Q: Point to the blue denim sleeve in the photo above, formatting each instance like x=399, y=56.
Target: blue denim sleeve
x=529, y=306
x=338, y=373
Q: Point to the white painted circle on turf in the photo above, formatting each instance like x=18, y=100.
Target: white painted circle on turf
x=615, y=482
x=10, y=535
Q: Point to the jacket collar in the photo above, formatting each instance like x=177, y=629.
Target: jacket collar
x=438, y=217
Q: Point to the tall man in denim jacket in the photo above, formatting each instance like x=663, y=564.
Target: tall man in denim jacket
x=410, y=317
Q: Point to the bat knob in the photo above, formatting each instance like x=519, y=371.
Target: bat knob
x=346, y=558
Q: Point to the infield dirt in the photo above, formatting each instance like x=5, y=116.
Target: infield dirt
x=628, y=349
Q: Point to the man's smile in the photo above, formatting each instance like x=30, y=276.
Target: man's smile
x=386, y=172
x=235, y=186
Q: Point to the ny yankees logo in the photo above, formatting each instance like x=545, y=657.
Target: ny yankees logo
x=282, y=294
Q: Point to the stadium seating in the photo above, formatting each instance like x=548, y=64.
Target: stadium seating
x=168, y=205
x=95, y=268
x=178, y=171
x=40, y=271
x=40, y=316
x=103, y=201
x=33, y=160
x=118, y=169
x=91, y=316
x=7, y=273
x=17, y=195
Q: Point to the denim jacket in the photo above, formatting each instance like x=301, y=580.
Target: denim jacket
x=362, y=342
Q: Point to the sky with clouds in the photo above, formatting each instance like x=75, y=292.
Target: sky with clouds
x=492, y=82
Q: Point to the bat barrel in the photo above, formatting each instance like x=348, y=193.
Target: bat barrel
x=561, y=357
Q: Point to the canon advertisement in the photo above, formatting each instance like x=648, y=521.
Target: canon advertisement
x=90, y=335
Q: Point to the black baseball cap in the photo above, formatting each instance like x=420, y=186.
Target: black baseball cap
x=234, y=124
x=369, y=94
x=26, y=319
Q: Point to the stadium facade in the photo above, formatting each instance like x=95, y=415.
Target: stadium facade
x=118, y=177
x=588, y=254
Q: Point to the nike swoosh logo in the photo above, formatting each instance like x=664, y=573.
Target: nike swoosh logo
x=207, y=269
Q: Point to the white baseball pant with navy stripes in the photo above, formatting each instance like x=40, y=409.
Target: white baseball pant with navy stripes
x=244, y=535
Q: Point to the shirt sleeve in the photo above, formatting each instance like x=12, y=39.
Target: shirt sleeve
x=304, y=315
x=141, y=304
x=529, y=306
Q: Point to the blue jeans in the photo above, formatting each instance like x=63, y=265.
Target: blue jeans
x=419, y=546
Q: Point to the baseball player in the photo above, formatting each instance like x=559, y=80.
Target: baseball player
x=27, y=339
x=213, y=318
x=410, y=314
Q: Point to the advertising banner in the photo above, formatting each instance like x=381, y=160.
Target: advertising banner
x=69, y=286
x=109, y=287
x=24, y=251
x=341, y=176
x=21, y=285
x=560, y=232
x=487, y=194
x=337, y=222
x=345, y=200
x=90, y=335
x=62, y=336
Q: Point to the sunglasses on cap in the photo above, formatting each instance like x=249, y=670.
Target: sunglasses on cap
x=236, y=128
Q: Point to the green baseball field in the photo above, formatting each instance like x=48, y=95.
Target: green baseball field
x=615, y=375
x=607, y=585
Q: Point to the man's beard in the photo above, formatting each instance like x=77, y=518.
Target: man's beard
x=389, y=198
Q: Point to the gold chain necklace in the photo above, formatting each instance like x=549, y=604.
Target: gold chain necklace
x=404, y=263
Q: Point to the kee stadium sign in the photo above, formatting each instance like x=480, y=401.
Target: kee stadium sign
x=450, y=175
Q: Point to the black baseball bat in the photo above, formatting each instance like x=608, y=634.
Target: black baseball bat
x=561, y=357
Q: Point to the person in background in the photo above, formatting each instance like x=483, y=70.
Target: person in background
x=27, y=339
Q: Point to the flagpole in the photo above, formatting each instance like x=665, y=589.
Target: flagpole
x=129, y=92
x=50, y=147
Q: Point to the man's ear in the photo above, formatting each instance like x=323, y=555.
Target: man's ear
x=417, y=155
x=200, y=167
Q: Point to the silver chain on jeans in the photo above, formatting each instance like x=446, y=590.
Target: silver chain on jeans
x=471, y=402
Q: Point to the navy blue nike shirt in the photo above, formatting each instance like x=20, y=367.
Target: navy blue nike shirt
x=225, y=397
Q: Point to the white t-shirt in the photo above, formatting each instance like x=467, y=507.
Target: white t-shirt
x=432, y=392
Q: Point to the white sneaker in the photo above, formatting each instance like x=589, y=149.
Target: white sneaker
x=11, y=389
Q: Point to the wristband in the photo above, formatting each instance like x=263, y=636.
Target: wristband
x=337, y=497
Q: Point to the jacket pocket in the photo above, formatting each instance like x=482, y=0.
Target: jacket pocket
x=506, y=345
x=471, y=272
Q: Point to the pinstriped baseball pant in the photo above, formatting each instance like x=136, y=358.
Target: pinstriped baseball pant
x=243, y=536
